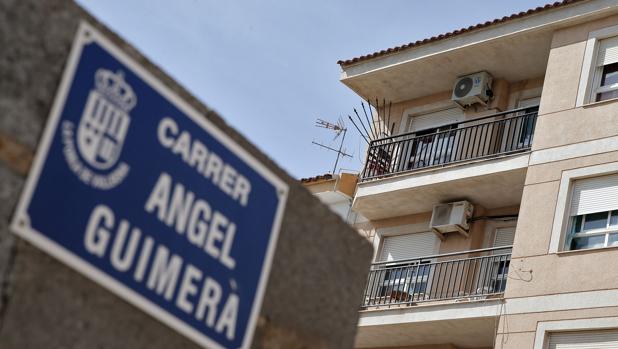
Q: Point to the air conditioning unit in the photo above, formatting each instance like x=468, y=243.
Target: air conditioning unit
x=473, y=88
x=451, y=217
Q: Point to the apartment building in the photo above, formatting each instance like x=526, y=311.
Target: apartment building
x=491, y=191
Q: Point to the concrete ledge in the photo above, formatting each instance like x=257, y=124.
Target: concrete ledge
x=443, y=174
x=469, y=324
x=477, y=181
x=433, y=312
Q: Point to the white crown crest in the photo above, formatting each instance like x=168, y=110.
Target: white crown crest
x=113, y=86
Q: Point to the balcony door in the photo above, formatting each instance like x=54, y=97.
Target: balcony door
x=526, y=130
x=407, y=277
x=433, y=144
x=500, y=268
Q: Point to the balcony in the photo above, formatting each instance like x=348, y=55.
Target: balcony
x=476, y=274
x=499, y=134
x=483, y=160
x=413, y=302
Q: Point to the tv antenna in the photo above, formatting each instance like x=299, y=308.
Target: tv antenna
x=340, y=130
x=378, y=122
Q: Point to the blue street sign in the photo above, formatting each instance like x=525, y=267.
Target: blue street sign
x=136, y=190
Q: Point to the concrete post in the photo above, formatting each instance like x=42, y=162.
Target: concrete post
x=320, y=265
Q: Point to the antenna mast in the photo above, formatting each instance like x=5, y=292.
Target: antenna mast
x=339, y=129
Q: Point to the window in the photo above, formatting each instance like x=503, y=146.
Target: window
x=583, y=339
x=600, y=332
x=605, y=82
x=599, y=76
x=504, y=237
x=593, y=230
x=608, y=88
x=593, y=218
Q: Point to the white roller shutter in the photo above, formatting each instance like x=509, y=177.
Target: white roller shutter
x=608, y=51
x=595, y=194
x=436, y=119
x=584, y=340
x=409, y=246
x=504, y=237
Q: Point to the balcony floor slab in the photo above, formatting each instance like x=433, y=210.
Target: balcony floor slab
x=468, y=324
x=492, y=183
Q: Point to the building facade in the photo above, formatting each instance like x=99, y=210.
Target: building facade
x=491, y=191
x=337, y=192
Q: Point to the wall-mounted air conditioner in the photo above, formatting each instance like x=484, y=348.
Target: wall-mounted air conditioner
x=473, y=88
x=451, y=217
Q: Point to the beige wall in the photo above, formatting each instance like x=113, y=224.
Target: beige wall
x=559, y=121
x=367, y=230
x=344, y=183
x=518, y=331
x=481, y=233
x=453, y=242
x=321, y=186
x=507, y=94
x=534, y=271
x=565, y=63
x=433, y=346
x=559, y=124
x=554, y=273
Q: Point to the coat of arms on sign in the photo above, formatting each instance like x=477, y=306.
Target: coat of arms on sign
x=105, y=121
x=101, y=132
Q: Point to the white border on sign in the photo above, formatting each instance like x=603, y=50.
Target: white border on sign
x=20, y=224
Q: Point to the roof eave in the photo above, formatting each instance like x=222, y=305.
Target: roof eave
x=557, y=16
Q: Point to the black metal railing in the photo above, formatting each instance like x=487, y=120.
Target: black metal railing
x=472, y=274
x=503, y=133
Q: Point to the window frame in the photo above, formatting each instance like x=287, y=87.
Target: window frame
x=607, y=230
x=561, y=224
x=544, y=329
x=597, y=88
x=590, y=78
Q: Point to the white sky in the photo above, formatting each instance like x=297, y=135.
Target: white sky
x=269, y=67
